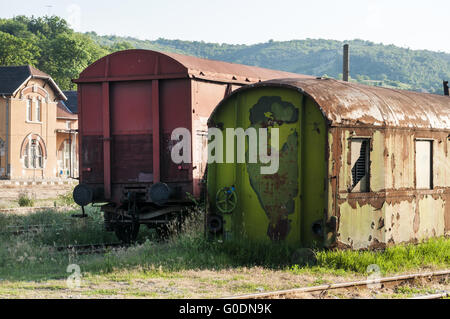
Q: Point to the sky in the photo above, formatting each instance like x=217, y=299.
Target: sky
x=415, y=24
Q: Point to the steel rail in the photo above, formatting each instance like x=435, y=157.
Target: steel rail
x=23, y=229
x=341, y=285
x=433, y=296
x=90, y=248
x=32, y=209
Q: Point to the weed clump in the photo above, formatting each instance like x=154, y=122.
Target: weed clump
x=25, y=200
x=66, y=199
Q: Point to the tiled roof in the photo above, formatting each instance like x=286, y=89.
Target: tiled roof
x=63, y=112
x=72, y=101
x=12, y=77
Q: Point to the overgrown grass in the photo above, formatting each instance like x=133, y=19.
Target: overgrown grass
x=32, y=256
x=432, y=253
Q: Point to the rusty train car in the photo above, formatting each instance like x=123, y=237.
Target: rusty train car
x=129, y=103
x=360, y=167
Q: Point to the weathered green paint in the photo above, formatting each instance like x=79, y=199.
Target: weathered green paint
x=272, y=109
x=283, y=184
x=283, y=206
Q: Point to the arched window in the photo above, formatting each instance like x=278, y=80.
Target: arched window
x=33, y=154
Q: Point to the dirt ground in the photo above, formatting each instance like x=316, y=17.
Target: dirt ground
x=39, y=191
x=203, y=284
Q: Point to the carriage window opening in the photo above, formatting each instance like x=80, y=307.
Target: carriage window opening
x=360, y=148
x=424, y=164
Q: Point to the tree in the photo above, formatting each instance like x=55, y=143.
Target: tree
x=15, y=51
x=16, y=27
x=121, y=46
x=67, y=56
x=48, y=27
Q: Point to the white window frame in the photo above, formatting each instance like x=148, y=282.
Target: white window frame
x=28, y=107
x=38, y=110
x=419, y=184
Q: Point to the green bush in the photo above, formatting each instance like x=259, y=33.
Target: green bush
x=66, y=199
x=25, y=200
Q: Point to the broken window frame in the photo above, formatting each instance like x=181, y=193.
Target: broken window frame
x=353, y=185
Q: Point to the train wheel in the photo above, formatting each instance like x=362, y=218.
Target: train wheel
x=127, y=232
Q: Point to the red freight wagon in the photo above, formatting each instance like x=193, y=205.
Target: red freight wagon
x=129, y=103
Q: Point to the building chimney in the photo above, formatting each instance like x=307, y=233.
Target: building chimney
x=346, y=69
x=446, y=88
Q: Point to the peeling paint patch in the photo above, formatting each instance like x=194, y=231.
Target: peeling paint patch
x=272, y=110
x=276, y=193
x=355, y=228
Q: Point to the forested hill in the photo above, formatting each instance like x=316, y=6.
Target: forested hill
x=371, y=63
x=49, y=44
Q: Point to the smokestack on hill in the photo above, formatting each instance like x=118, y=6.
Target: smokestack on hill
x=346, y=69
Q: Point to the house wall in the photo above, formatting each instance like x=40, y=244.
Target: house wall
x=44, y=130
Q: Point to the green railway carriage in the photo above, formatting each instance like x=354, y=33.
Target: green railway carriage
x=354, y=166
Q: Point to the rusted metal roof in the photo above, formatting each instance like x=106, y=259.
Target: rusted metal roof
x=225, y=71
x=147, y=64
x=345, y=103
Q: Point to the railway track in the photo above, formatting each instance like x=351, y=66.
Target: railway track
x=19, y=210
x=91, y=248
x=434, y=296
x=18, y=230
x=23, y=229
x=386, y=282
